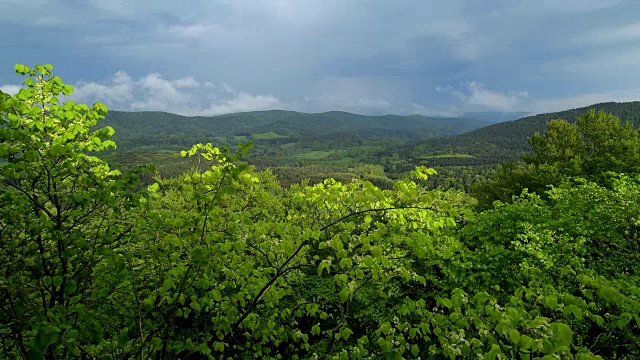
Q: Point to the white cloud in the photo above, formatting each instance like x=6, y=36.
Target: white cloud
x=418, y=109
x=479, y=95
x=226, y=88
x=10, y=89
x=188, y=82
x=117, y=91
x=476, y=96
x=241, y=102
x=184, y=96
x=191, y=97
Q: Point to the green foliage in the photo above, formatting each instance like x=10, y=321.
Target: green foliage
x=576, y=252
x=561, y=145
x=595, y=145
x=61, y=215
x=511, y=180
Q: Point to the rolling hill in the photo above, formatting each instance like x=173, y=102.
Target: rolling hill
x=505, y=141
x=165, y=131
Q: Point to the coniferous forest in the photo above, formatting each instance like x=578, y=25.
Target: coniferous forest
x=225, y=251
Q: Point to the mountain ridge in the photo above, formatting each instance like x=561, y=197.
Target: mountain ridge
x=158, y=128
x=508, y=141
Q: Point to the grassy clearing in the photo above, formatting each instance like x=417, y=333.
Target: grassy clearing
x=268, y=136
x=447, y=156
x=315, y=155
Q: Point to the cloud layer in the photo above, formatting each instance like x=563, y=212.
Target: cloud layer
x=190, y=97
x=476, y=95
x=435, y=57
x=184, y=96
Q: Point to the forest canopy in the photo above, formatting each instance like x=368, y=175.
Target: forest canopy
x=222, y=262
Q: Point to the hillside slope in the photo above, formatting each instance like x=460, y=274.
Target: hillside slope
x=506, y=141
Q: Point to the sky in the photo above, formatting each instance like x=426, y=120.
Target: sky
x=438, y=58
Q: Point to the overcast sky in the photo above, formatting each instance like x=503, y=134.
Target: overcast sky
x=366, y=56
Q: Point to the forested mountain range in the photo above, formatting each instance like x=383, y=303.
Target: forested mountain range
x=300, y=145
x=505, y=141
x=168, y=131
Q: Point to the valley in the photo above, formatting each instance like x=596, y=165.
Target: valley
x=287, y=142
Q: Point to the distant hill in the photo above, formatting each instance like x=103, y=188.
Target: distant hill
x=496, y=116
x=506, y=141
x=160, y=130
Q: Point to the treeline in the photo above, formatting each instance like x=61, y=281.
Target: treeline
x=596, y=145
